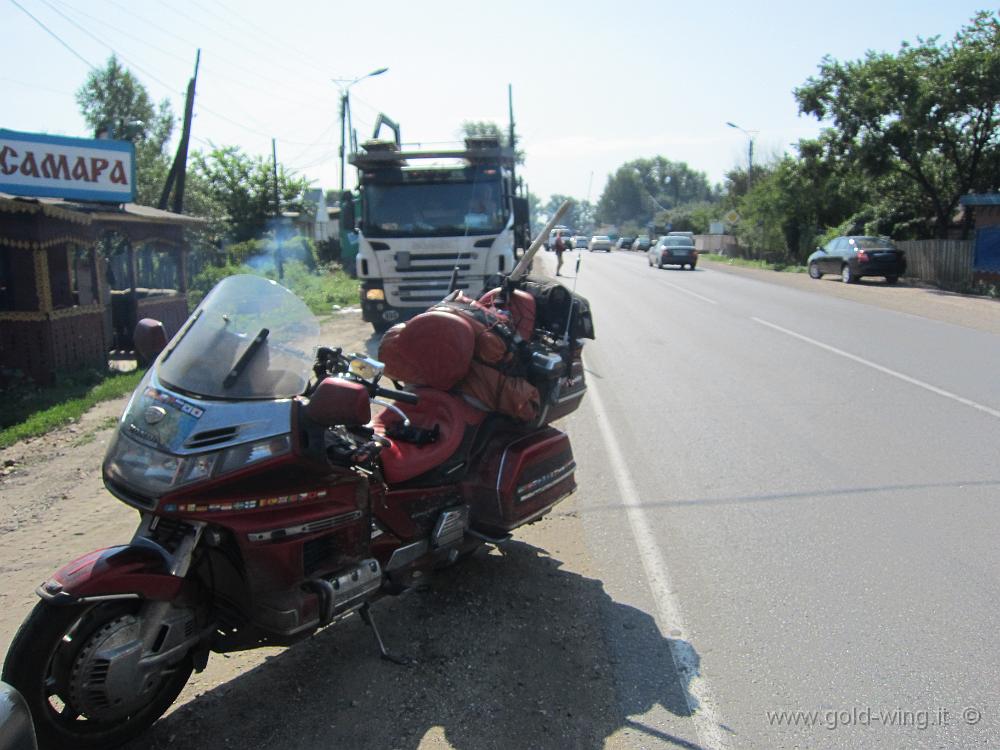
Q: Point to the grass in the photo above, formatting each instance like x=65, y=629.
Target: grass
x=30, y=412
x=764, y=265
x=322, y=290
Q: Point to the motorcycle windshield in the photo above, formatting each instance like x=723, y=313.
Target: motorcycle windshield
x=250, y=338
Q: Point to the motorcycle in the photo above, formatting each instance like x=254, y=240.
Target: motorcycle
x=274, y=501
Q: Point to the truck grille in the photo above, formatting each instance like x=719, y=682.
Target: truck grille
x=407, y=263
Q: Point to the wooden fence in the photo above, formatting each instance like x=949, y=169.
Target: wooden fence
x=939, y=261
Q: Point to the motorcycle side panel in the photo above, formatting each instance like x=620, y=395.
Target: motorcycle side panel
x=290, y=532
x=522, y=477
x=412, y=513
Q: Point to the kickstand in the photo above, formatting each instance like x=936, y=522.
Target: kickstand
x=366, y=615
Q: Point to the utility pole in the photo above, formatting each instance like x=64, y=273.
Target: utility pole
x=278, y=260
x=749, y=135
x=274, y=169
x=510, y=136
x=178, y=170
x=345, y=109
x=343, y=124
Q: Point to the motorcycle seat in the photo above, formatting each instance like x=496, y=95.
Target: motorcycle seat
x=403, y=460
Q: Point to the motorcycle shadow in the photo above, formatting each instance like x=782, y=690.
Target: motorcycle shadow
x=511, y=650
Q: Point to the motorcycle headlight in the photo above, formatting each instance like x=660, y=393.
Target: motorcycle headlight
x=155, y=472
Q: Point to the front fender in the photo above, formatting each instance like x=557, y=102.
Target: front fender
x=128, y=571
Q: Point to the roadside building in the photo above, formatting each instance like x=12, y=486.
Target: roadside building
x=986, y=251
x=79, y=263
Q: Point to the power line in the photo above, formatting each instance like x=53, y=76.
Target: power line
x=328, y=156
x=35, y=86
x=55, y=36
x=105, y=24
x=266, y=36
x=214, y=56
x=167, y=86
x=252, y=54
x=102, y=42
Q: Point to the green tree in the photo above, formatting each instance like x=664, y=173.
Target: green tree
x=647, y=189
x=579, y=216
x=926, y=117
x=113, y=99
x=239, y=192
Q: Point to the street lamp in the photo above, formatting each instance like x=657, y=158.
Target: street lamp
x=749, y=136
x=345, y=108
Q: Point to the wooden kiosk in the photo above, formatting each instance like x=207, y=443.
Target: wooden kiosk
x=77, y=273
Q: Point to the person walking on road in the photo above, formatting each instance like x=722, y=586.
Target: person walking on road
x=559, y=245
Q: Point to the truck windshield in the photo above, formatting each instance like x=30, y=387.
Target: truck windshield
x=440, y=209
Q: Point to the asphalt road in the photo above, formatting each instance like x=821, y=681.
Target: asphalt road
x=801, y=487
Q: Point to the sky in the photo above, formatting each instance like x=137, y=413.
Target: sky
x=594, y=85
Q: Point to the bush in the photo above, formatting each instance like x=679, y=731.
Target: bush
x=209, y=277
x=320, y=289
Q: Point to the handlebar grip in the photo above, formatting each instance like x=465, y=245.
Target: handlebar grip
x=406, y=398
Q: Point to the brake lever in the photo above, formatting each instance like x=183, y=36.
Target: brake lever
x=393, y=407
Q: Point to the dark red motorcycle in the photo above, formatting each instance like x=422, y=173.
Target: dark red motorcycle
x=273, y=502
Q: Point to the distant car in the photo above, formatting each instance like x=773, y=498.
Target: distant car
x=16, y=730
x=624, y=243
x=579, y=242
x=855, y=257
x=600, y=242
x=641, y=243
x=689, y=235
x=673, y=251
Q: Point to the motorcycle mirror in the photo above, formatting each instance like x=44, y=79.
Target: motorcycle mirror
x=337, y=401
x=149, y=338
x=366, y=368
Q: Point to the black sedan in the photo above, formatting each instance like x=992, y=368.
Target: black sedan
x=855, y=257
x=673, y=251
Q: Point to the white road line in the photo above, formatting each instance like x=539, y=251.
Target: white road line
x=886, y=370
x=688, y=291
x=699, y=700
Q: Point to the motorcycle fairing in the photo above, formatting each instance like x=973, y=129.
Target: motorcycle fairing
x=186, y=425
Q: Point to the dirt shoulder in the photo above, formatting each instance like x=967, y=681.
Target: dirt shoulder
x=908, y=296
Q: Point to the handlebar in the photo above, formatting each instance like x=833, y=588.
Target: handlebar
x=406, y=398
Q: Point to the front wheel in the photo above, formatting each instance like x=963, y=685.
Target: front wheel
x=72, y=665
x=814, y=272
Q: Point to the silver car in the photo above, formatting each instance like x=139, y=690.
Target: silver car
x=673, y=251
x=600, y=242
